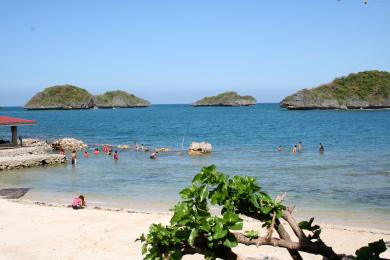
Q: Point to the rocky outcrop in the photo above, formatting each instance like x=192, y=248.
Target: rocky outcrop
x=162, y=149
x=25, y=157
x=69, y=144
x=363, y=90
x=120, y=99
x=25, y=161
x=32, y=142
x=201, y=148
x=71, y=97
x=227, y=99
x=35, y=150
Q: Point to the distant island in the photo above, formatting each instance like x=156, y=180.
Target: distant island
x=362, y=90
x=226, y=99
x=119, y=98
x=72, y=97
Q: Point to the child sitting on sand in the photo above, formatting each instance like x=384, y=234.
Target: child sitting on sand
x=79, y=202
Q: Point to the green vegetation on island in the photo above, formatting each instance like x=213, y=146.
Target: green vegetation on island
x=119, y=98
x=61, y=97
x=226, y=99
x=72, y=97
x=363, y=90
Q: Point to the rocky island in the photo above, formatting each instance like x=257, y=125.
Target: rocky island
x=230, y=99
x=120, y=99
x=63, y=97
x=363, y=90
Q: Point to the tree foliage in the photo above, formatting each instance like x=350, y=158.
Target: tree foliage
x=193, y=229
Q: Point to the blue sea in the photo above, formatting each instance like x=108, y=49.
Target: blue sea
x=349, y=182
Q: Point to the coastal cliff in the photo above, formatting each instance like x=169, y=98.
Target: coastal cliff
x=72, y=97
x=119, y=98
x=363, y=90
x=226, y=99
x=61, y=97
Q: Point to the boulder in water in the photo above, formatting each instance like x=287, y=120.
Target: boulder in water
x=201, y=148
x=68, y=144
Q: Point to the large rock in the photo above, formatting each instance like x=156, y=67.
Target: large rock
x=69, y=144
x=363, y=90
x=201, y=148
x=61, y=97
x=227, y=99
x=119, y=98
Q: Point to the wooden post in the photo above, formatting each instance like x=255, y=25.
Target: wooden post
x=14, y=130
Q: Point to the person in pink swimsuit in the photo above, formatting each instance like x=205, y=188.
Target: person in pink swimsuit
x=79, y=202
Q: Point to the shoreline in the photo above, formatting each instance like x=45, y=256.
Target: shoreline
x=51, y=229
x=334, y=216
x=384, y=231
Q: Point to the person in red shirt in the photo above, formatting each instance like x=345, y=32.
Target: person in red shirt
x=116, y=156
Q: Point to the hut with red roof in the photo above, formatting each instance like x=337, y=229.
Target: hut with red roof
x=14, y=123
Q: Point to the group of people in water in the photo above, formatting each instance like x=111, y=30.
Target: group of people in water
x=106, y=149
x=299, y=148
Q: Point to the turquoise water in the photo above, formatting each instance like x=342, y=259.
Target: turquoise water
x=352, y=177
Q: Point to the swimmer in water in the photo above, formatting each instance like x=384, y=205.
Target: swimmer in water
x=116, y=156
x=294, y=150
x=321, y=149
x=280, y=148
x=154, y=155
x=299, y=147
x=74, y=157
x=96, y=152
x=86, y=154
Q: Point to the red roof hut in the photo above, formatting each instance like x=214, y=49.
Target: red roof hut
x=14, y=123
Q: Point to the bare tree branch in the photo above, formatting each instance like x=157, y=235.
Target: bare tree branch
x=284, y=235
x=317, y=248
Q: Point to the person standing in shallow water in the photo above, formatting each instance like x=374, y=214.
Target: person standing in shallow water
x=321, y=149
x=116, y=156
x=74, y=157
x=299, y=147
x=294, y=150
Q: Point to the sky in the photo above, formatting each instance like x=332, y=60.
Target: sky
x=179, y=51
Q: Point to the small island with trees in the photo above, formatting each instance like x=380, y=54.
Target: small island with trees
x=64, y=97
x=230, y=99
x=363, y=90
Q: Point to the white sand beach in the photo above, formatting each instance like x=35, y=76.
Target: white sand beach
x=31, y=231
